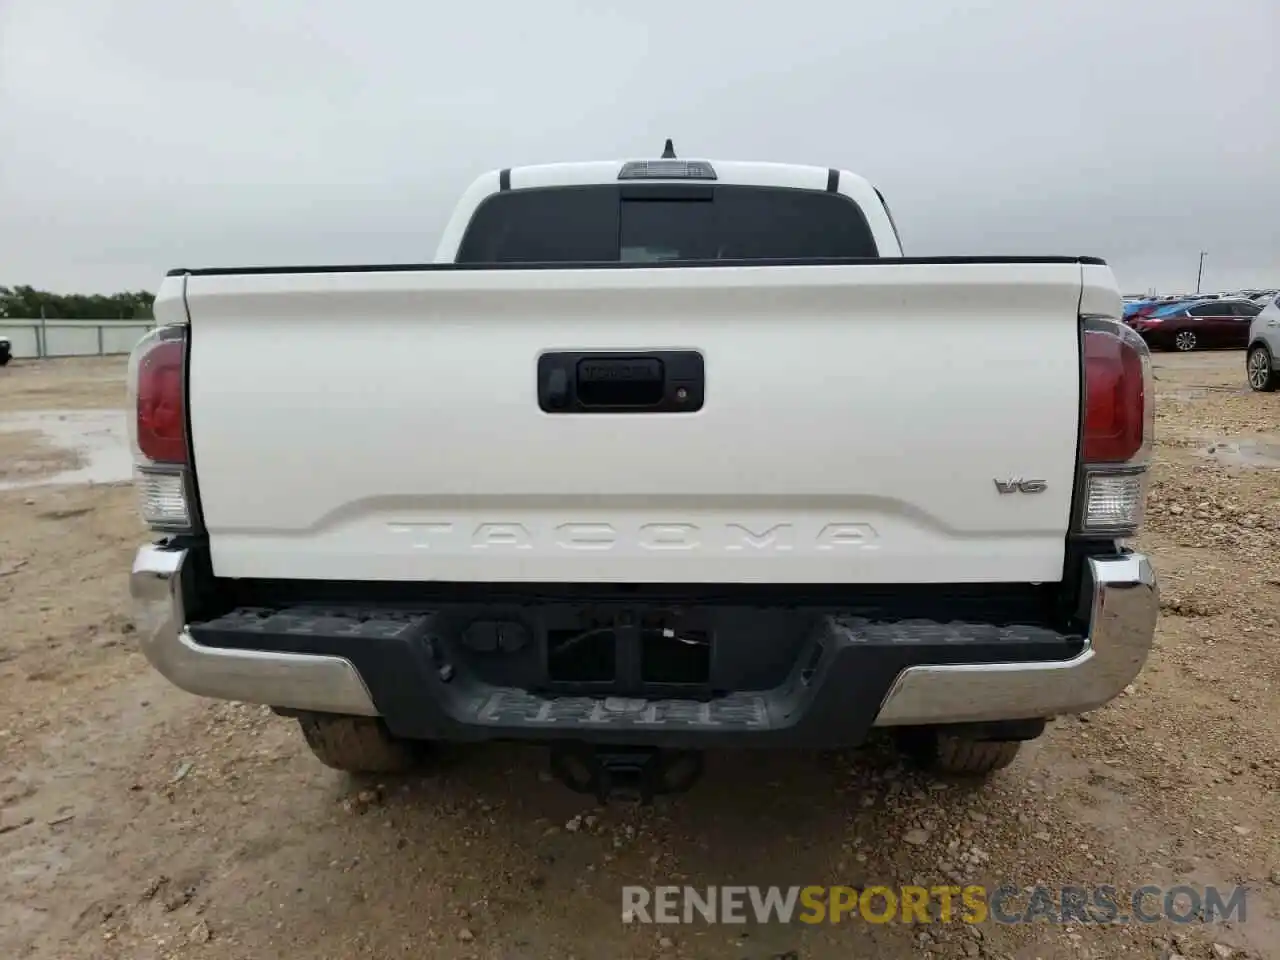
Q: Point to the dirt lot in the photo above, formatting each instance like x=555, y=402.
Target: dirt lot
x=137, y=821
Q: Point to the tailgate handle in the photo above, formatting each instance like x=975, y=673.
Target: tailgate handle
x=666, y=381
x=557, y=393
x=620, y=382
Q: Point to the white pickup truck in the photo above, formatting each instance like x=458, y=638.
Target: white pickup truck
x=656, y=456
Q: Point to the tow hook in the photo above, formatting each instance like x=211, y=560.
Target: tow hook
x=637, y=774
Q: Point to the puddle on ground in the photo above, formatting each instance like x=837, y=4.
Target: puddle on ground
x=1263, y=452
x=1187, y=394
x=100, y=437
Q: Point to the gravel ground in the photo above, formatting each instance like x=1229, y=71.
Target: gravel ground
x=139, y=822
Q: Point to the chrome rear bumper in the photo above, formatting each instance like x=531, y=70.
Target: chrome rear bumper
x=1123, y=605
x=159, y=587
x=1122, y=623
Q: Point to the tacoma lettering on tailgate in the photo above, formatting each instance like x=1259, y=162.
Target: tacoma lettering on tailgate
x=730, y=537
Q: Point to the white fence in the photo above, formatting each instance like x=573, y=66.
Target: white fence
x=72, y=338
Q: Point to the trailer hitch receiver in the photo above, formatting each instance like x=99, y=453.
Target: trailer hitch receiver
x=625, y=773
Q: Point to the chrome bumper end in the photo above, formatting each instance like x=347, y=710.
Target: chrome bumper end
x=1124, y=605
x=300, y=681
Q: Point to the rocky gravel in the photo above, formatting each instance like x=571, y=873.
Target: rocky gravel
x=139, y=822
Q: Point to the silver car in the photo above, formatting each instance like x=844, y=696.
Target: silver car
x=1262, y=362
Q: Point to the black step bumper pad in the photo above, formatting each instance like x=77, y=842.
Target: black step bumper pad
x=839, y=678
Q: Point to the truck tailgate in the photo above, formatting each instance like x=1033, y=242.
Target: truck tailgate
x=859, y=420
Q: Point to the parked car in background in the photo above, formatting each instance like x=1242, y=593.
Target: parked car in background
x=1160, y=309
x=1138, y=309
x=1199, y=325
x=1262, y=362
x=6, y=351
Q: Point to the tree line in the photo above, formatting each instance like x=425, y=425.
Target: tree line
x=31, y=304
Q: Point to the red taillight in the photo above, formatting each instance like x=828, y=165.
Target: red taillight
x=161, y=409
x=1115, y=413
x=1119, y=420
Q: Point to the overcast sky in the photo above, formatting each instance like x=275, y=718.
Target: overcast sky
x=137, y=135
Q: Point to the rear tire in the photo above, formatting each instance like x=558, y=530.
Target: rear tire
x=359, y=744
x=1260, y=371
x=957, y=756
x=963, y=757
x=1184, y=341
